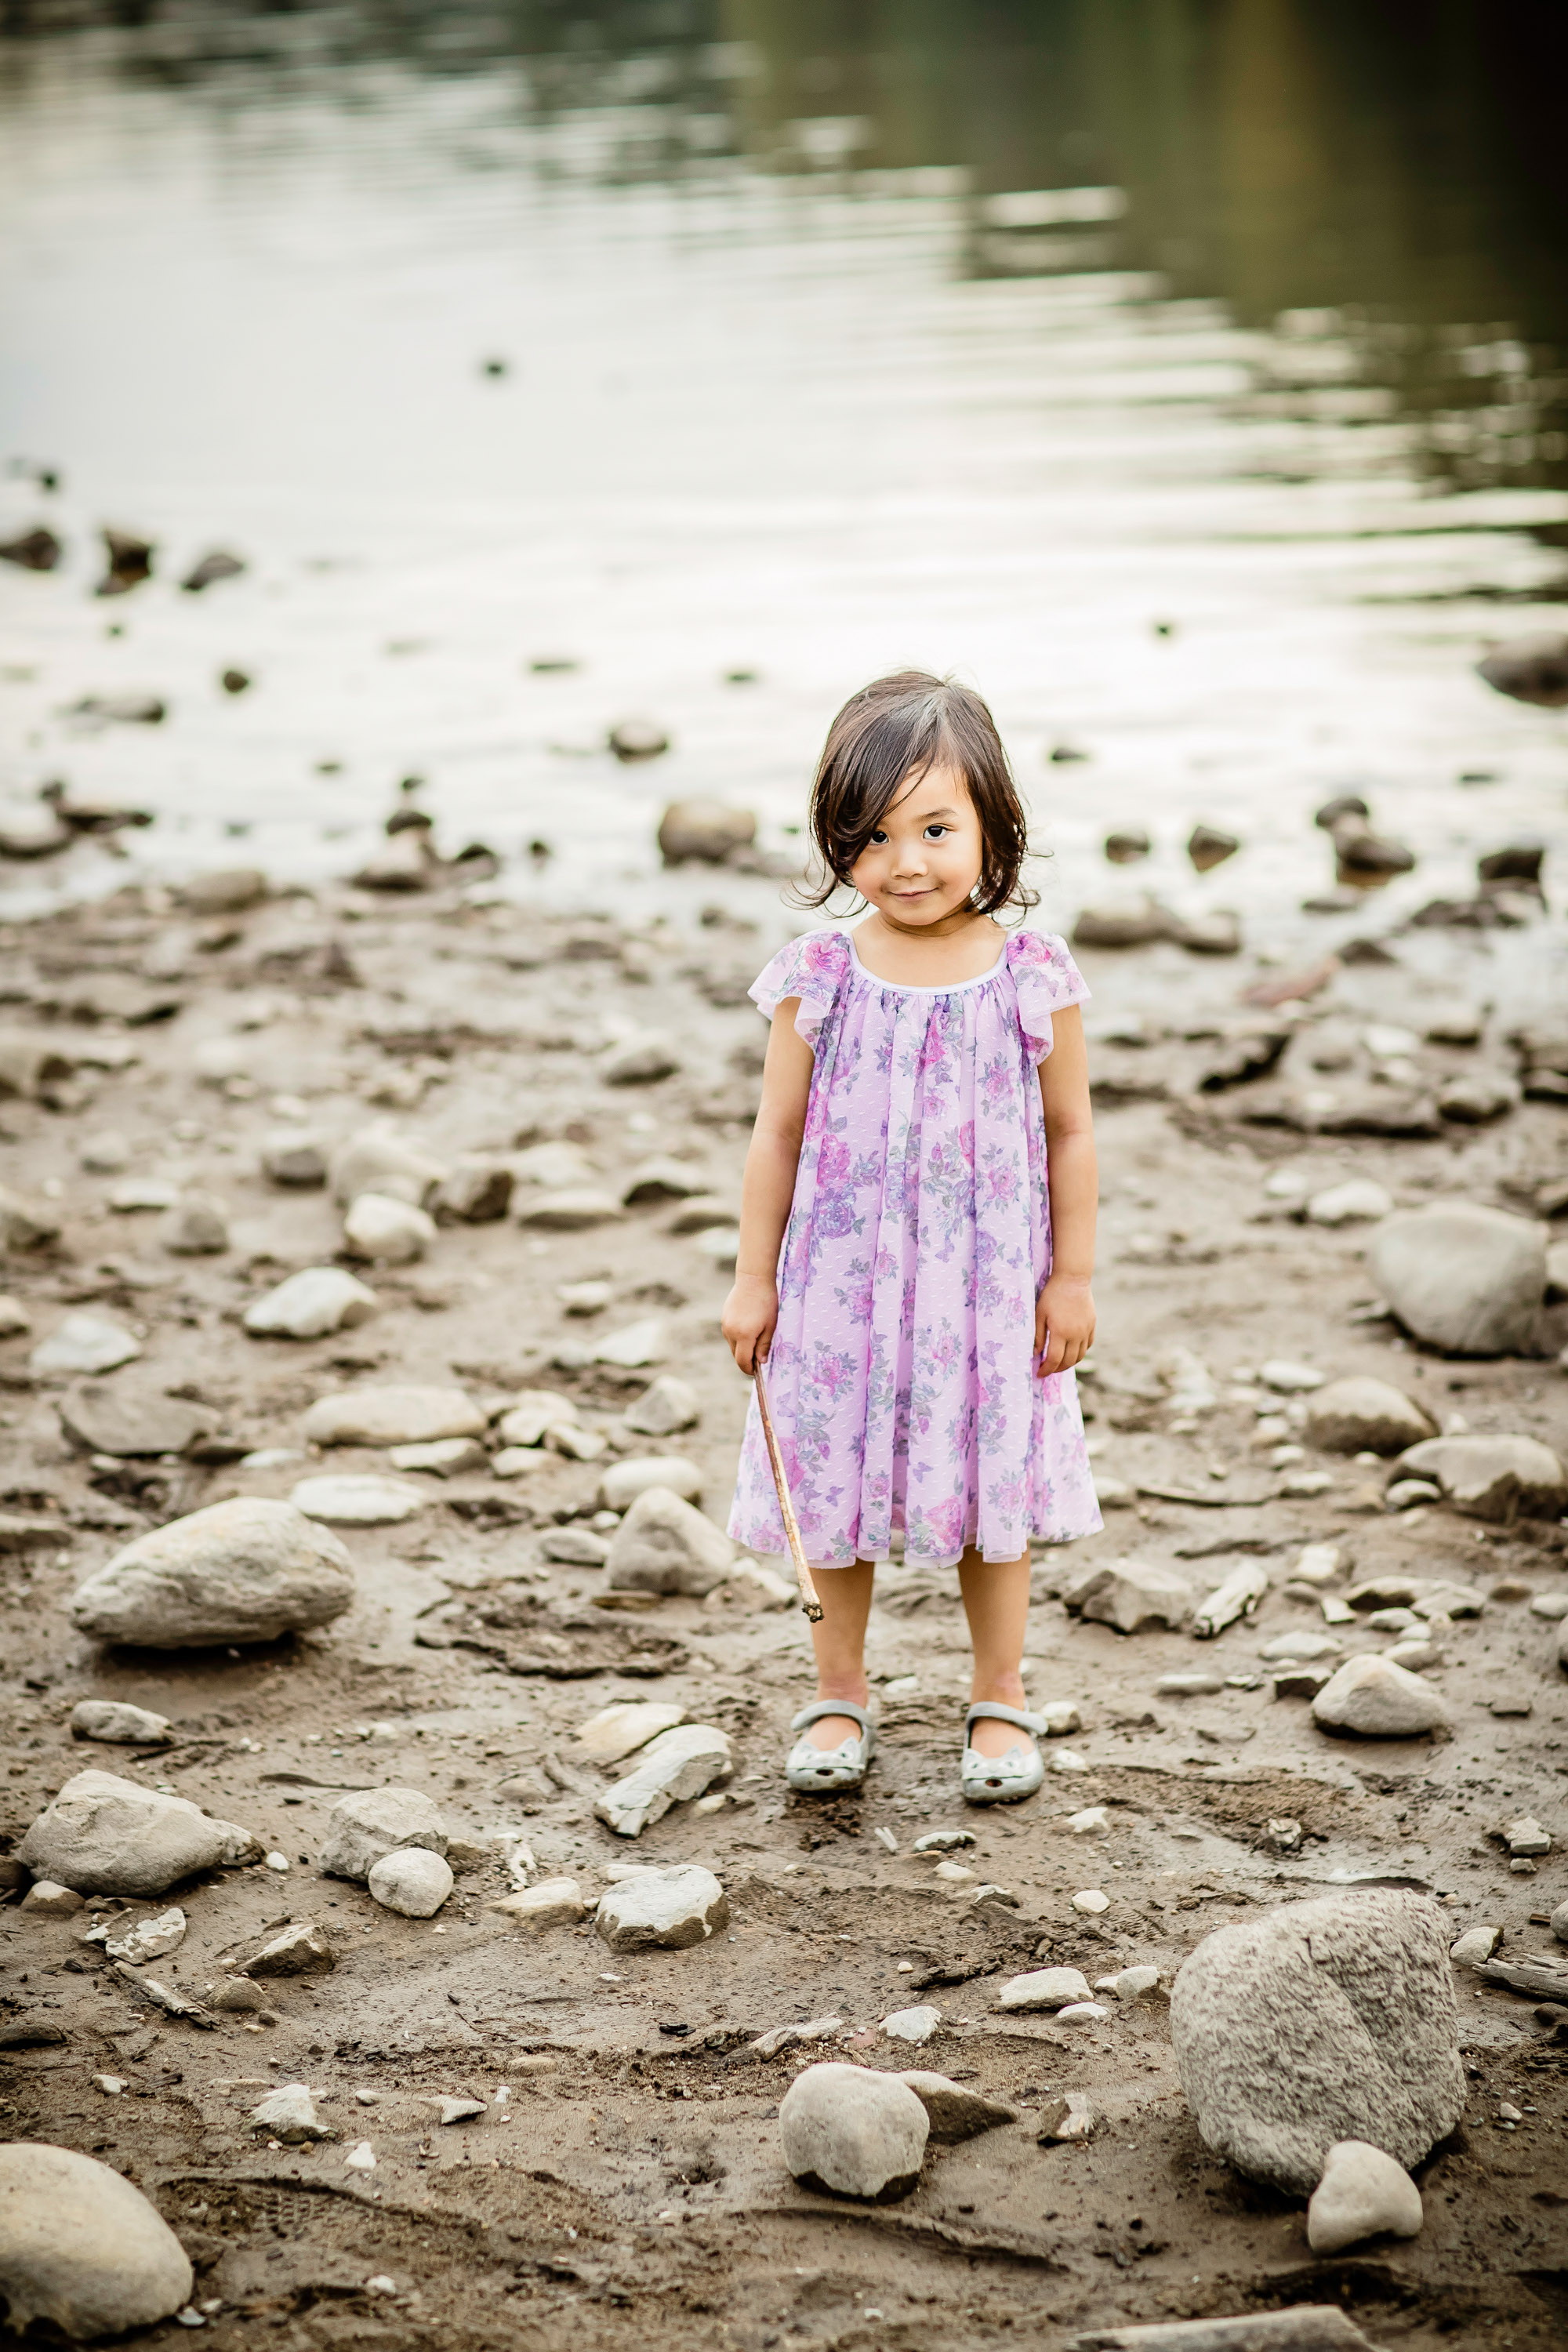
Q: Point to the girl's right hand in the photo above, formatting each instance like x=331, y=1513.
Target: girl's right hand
x=751, y=1312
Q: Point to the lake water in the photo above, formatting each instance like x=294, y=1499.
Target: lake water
x=1193, y=378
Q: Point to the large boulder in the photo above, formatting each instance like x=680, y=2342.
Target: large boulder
x=393, y=1416
x=82, y=2249
x=1496, y=1478
x=665, y=1545
x=849, y=2131
x=1362, y=1416
x=244, y=1570
x=1379, y=1700
x=104, y=1836
x=369, y=1823
x=1462, y=1278
x=1321, y=2021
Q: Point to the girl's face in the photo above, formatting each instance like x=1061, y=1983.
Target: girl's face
x=924, y=859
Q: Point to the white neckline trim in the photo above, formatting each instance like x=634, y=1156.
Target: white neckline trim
x=915, y=988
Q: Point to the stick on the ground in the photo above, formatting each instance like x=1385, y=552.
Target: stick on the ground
x=808, y=1600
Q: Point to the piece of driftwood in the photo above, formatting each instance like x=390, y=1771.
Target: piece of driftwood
x=1310, y=2327
x=1238, y=1596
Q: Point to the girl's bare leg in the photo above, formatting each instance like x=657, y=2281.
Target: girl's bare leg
x=839, y=1639
x=996, y=1603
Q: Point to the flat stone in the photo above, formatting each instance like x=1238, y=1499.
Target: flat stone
x=664, y=1180
x=1379, y=1700
x=1526, y=1837
x=345, y=1500
x=913, y=2025
x=584, y=1297
x=532, y=1413
x=244, y=1570
x=1362, y=1415
x=82, y=2249
x=662, y=1909
x=1359, y=1200
x=1092, y=1900
x=196, y=1226
x=669, y=1404
x=552, y=1167
x=1554, y=1606
x=460, y=2111
x=575, y=1547
x=289, y=2114
x=664, y=1544
x=139, y=1195
x=848, y=2131
x=1463, y=1278
x=1133, y=1984
x=299, y=1949
x=394, y=1416
x=84, y=1343
x=516, y=1461
x=1362, y=2194
x=1318, y=1563
x=149, y=1940
x=634, y=1346
x=1131, y=1594
x=577, y=1444
x=387, y=1232
x=131, y=1423
x=1197, y=1685
x=411, y=1880
x=674, y=1767
x=294, y=1159
x=104, y=1836
x=640, y=1061
x=310, y=1304
x=47, y=1899
x=625, y=1481
x=1475, y=1947
x=1300, y=1680
x=571, y=1210
x=1044, y=1989
x=443, y=1457
x=367, y=1823
x=1495, y=1479
x=620, y=1730
x=1289, y=1379
x=1301, y=1643
x=952, y=2111
x=376, y=1161
x=1317, y=2022
x=552, y=1902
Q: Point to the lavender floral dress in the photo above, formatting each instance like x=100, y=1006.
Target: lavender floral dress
x=901, y=1374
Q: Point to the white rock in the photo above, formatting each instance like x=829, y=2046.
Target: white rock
x=620, y=1730
x=677, y=1765
x=531, y=1413
x=584, y=1297
x=553, y=1903
x=1554, y=1606
x=554, y=1167
x=289, y=2114
x=1560, y=1922
x=1060, y=1716
x=569, y=1211
x=387, y=1232
x=667, y=1406
x=1362, y=2194
x=377, y=1160
x=1289, y=1380
x=443, y=1457
x=1495, y=1478
x=244, y=1570
x=1131, y=1594
x=952, y=2110
x=1359, y=1200
x=756, y=1587
x=150, y=1939
x=1475, y=1947
x=913, y=2025
x=117, y=1723
x=112, y=2086
x=1318, y=1563
x=1131, y=1984
x=1379, y=1700
x=47, y=1899
x=1463, y=1278
x=393, y=1416
x=411, y=1880
x=1302, y=1641
x=361, y=2158
x=664, y=1909
x=637, y=1345
x=577, y=1444
x=82, y=2249
x=367, y=1823
x=1082, y=2012
x=344, y=1500
x=625, y=1481
x=104, y=1155
x=310, y=1304
x=14, y=1319
x=721, y=1243
x=517, y=1461
x=1362, y=1415
x=1090, y=1899
x=139, y=1195
x=663, y=1544
x=104, y=1836
x=1044, y=1989
x=1526, y=1837
x=852, y=2131
x=576, y=1546
x=84, y=1343
x=1089, y=1822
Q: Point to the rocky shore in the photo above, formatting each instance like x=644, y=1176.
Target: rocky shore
x=403, y=1894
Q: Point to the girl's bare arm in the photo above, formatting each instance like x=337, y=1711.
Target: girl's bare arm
x=767, y=1189
x=1064, y=1316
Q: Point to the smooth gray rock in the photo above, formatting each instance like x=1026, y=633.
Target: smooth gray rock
x=119, y=1723
x=310, y=1304
x=704, y=830
x=1326, y=2021
x=640, y=1061
x=666, y=1545
x=80, y=2247
x=571, y=1210
x=575, y=1547
x=667, y=1405
x=1044, y=1989
x=954, y=2112
x=289, y=2114
x=197, y=1227
x=349, y=1499
x=1362, y=1415
x=666, y=1910
x=477, y=1192
x=26, y=1224
x=244, y=1570
x=1463, y=1278
x=1495, y=1478
x=411, y=1880
x=299, y=1950
x=1379, y=1700
x=1131, y=1594
x=387, y=1232
x=84, y=1343
x=1362, y=2194
x=105, y=1835
x=367, y=1823
x=674, y=1767
x=294, y=1159
x=394, y=1416
x=848, y=2131
x=128, y=1423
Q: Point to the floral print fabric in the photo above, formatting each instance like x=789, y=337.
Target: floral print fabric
x=901, y=1374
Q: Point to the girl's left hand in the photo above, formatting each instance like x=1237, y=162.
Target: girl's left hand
x=1064, y=1323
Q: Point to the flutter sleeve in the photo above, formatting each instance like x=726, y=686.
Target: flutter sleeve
x=1046, y=980
x=812, y=968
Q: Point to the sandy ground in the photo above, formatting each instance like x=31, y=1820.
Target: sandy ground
x=629, y=2189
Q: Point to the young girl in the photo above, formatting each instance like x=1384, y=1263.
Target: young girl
x=917, y=1223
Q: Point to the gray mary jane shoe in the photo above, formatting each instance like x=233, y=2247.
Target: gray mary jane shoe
x=1002, y=1780
x=821, y=1770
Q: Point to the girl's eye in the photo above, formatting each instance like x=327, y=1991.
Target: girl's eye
x=878, y=840
x=935, y=832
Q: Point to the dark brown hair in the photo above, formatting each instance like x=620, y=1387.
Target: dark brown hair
x=887, y=738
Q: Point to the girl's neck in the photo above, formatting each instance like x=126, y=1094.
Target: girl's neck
x=959, y=946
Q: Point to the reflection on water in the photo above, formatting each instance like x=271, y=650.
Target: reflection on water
x=821, y=336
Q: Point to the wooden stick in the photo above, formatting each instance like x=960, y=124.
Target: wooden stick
x=808, y=1600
